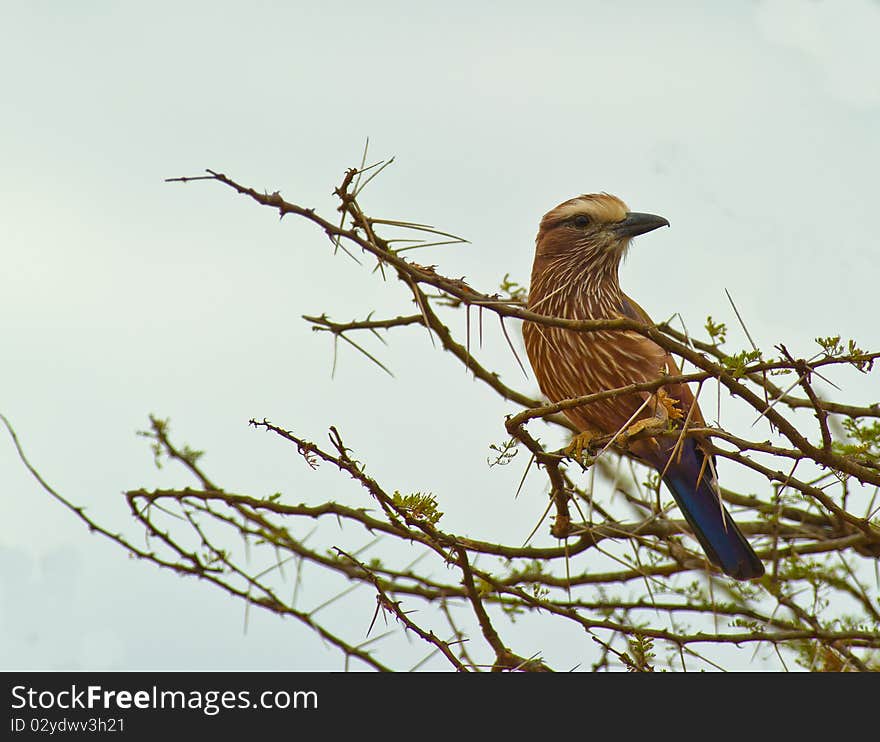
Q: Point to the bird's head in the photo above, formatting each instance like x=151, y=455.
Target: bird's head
x=595, y=228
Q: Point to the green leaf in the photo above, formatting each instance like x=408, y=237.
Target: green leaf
x=418, y=505
x=717, y=331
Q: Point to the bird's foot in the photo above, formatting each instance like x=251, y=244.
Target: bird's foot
x=670, y=404
x=580, y=443
x=667, y=411
x=637, y=427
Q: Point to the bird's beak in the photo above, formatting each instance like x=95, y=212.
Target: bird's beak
x=636, y=224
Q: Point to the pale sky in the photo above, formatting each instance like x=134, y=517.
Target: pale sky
x=753, y=127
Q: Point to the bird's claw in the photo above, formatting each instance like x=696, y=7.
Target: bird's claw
x=580, y=443
x=670, y=404
x=637, y=427
x=667, y=411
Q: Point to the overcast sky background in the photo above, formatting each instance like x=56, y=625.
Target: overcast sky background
x=753, y=127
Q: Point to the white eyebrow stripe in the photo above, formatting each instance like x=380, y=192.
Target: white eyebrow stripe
x=601, y=206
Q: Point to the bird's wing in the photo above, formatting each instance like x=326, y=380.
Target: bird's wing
x=630, y=309
x=658, y=360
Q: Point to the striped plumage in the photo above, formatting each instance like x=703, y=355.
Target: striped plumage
x=579, y=247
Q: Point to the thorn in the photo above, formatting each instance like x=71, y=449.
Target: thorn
x=512, y=349
x=467, y=321
x=523, y=480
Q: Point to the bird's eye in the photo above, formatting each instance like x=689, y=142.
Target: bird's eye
x=581, y=221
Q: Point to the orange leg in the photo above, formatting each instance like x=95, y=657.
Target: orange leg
x=580, y=443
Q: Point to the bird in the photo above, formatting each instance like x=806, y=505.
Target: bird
x=575, y=275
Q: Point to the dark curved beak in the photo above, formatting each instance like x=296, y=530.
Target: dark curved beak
x=636, y=224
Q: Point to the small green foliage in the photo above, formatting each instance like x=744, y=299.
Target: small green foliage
x=533, y=569
x=640, y=655
x=539, y=592
x=831, y=345
x=483, y=588
x=859, y=361
x=694, y=590
x=160, y=426
x=513, y=290
x=865, y=437
x=419, y=506
x=274, y=497
x=157, y=450
x=749, y=624
x=819, y=657
x=512, y=609
x=158, y=432
x=853, y=623
x=813, y=571
x=717, y=331
x=736, y=364
x=190, y=455
x=652, y=481
x=782, y=498
x=160, y=447
x=504, y=453
x=856, y=356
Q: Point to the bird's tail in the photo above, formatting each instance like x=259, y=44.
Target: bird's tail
x=719, y=536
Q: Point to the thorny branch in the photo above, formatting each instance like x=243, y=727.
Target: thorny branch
x=624, y=568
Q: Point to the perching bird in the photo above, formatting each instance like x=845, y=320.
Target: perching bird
x=579, y=247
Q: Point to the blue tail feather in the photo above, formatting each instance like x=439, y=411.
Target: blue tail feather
x=719, y=536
